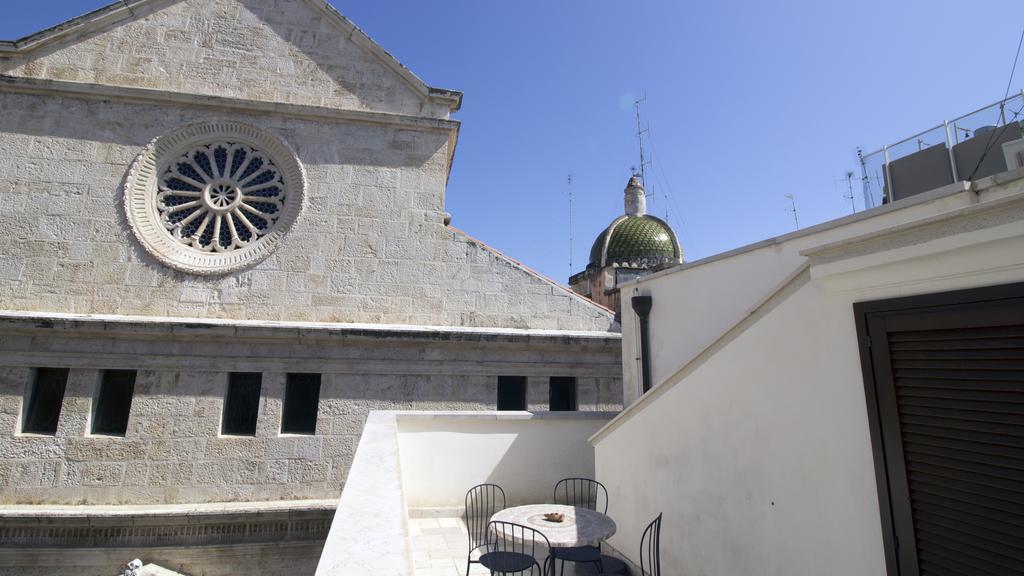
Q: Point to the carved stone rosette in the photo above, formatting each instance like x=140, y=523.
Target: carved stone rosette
x=215, y=197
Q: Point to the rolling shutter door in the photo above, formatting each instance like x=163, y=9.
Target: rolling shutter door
x=950, y=395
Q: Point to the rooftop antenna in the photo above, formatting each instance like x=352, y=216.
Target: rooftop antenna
x=640, y=131
x=568, y=187
x=865, y=180
x=792, y=210
x=848, y=178
x=849, y=191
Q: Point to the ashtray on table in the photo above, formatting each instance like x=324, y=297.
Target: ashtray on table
x=554, y=516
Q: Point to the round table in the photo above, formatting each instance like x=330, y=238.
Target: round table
x=580, y=527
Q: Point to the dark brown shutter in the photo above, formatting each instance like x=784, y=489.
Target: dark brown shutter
x=950, y=399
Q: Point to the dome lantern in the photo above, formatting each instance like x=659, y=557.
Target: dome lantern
x=636, y=197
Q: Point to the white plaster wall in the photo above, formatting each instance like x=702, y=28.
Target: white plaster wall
x=254, y=49
x=444, y=456
x=702, y=304
x=760, y=459
x=696, y=304
x=759, y=453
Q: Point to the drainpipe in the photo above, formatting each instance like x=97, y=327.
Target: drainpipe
x=642, y=307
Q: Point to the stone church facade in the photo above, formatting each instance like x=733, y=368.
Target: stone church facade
x=216, y=199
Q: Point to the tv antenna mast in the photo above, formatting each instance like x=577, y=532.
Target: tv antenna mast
x=792, y=210
x=640, y=131
x=568, y=187
x=848, y=178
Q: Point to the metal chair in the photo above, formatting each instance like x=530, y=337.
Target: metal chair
x=512, y=549
x=482, y=501
x=650, y=548
x=582, y=493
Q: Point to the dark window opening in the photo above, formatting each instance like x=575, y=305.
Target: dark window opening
x=113, y=402
x=241, y=404
x=562, y=394
x=44, y=400
x=301, y=399
x=511, y=392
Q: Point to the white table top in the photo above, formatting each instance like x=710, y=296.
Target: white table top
x=581, y=526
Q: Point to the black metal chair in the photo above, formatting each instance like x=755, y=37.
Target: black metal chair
x=482, y=501
x=513, y=548
x=582, y=493
x=650, y=548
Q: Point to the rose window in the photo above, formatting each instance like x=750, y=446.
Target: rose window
x=220, y=196
x=225, y=195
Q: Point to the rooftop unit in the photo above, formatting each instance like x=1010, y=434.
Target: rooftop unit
x=985, y=142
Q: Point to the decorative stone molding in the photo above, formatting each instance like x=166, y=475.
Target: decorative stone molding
x=167, y=529
x=214, y=197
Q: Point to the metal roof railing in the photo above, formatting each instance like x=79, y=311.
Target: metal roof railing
x=966, y=147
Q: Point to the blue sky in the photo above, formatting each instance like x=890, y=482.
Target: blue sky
x=746, y=101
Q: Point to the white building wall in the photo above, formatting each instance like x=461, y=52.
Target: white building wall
x=760, y=459
x=758, y=450
x=700, y=300
x=704, y=303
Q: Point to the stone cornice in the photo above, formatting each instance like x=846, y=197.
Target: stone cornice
x=16, y=84
x=93, y=343
x=182, y=525
x=111, y=325
x=971, y=217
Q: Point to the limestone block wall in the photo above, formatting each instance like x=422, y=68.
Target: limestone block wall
x=173, y=451
x=271, y=50
x=370, y=245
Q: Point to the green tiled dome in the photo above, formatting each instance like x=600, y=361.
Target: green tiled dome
x=635, y=240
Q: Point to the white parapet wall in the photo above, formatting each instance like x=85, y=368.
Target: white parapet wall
x=428, y=460
x=445, y=454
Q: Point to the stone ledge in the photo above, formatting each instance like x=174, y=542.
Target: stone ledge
x=165, y=510
x=255, y=559
x=63, y=88
x=109, y=324
x=370, y=532
x=477, y=415
x=184, y=525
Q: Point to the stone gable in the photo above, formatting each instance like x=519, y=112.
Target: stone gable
x=290, y=51
x=370, y=245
